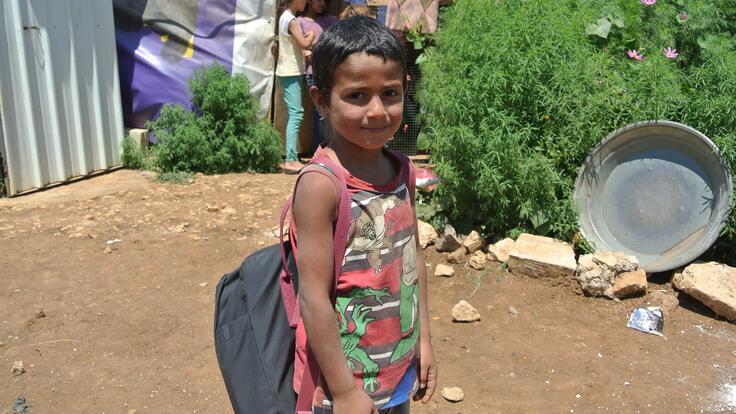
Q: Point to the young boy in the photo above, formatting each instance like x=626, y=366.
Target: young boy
x=379, y=353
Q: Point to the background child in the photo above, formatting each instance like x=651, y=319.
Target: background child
x=289, y=71
x=354, y=10
x=315, y=21
x=380, y=352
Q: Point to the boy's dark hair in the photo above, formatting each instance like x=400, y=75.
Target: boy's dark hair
x=353, y=35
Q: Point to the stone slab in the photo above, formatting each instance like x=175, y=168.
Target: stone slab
x=541, y=257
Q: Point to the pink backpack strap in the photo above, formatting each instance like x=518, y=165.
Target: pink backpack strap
x=311, y=375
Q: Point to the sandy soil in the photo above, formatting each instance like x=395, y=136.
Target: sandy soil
x=107, y=284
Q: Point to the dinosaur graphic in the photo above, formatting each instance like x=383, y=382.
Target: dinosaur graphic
x=351, y=338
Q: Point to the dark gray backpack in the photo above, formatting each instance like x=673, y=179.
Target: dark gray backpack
x=256, y=314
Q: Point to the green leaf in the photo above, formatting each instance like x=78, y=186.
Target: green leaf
x=600, y=28
x=418, y=44
x=421, y=59
x=422, y=139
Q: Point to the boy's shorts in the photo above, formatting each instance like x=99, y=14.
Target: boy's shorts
x=397, y=409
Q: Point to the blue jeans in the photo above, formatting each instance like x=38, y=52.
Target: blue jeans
x=316, y=119
x=292, y=86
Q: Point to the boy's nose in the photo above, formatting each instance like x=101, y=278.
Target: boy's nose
x=376, y=109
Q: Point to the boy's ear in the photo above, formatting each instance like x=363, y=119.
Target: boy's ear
x=320, y=101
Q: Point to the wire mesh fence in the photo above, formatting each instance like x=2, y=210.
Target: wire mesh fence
x=405, y=139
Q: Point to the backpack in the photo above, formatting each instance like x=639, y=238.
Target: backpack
x=256, y=314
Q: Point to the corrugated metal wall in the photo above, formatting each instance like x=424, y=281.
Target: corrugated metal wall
x=59, y=92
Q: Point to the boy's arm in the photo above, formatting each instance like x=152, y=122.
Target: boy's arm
x=303, y=40
x=315, y=206
x=427, y=361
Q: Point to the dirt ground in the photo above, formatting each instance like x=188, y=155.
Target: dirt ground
x=106, y=293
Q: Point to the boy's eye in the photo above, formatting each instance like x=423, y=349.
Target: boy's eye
x=392, y=93
x=356, y=95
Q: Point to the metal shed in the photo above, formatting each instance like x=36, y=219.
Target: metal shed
x=60, y=112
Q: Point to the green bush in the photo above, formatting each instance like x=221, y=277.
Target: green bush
x=516, y=94
x=135, y=157
x=222, y=133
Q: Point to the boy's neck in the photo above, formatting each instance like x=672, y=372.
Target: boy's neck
x=368, y=165
x=312, y=15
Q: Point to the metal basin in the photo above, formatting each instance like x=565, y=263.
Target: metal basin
x=658, y=190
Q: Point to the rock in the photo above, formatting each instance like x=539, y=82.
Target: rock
x=478, y=260
x=229, y=211
x=178, y=228
x=40, y=314
x=17, y=368
x=538, y=256
x=212, y=208
x=458, y=256
x=203, y=284
x=630, y=283
x=464, y=312
x=616, y=261
x=427, y=234
x=447, y=244
x=598, y=272
x=453, y=394
x=668, y=301
x=449, y=230
x=473, y=242
x=20, y=406
x=499, y=252
x=513, y=311
x=444, y=270
x=712, y=283
x=108, y=250
x=449, y=241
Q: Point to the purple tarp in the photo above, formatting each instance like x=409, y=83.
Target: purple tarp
x=160, y=43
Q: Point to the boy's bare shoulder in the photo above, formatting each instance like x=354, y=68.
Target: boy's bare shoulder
x=316, y=191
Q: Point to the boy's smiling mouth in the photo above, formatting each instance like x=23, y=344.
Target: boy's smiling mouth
x=375, y=129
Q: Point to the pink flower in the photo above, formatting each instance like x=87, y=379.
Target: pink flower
x=634, y=54
x=682, y=16
x=648, y=2
x=670, y=53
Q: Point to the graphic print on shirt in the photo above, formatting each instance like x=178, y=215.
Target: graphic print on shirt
x=373, y=231
x=409, y=304
x=355, y=355
x=383, y=244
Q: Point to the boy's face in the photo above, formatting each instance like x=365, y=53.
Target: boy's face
x=366, y=102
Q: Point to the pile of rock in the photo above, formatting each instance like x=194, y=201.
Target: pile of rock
x=612, y=275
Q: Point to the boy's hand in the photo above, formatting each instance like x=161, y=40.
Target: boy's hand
x=354, y=401
x=427, y=372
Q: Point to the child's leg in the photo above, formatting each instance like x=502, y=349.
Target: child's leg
x=295, y=113
x=316, y=119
